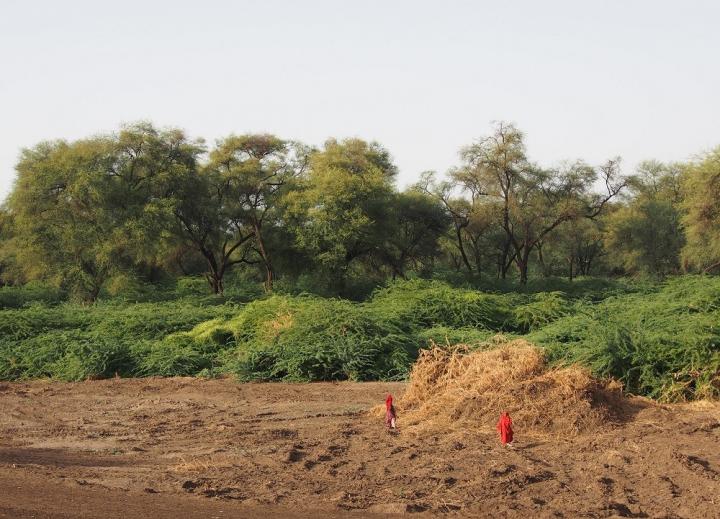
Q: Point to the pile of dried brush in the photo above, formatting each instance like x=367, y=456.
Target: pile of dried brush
x=453, y=387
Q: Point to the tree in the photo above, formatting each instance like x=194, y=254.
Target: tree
x=573, y=249
x=458, y=210
x=341, y=211
x=6, y=251
x=60, y=207
x=210, y=221
x=148, y=165
x=257, y=170
x=88, y=210
x=701, y=188
x=645, y=234
x=417, y=221
x=533, y=201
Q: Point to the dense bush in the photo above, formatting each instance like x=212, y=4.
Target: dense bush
x=541, y=310
x=19, y=297
x=660, y=340
x=75, y=342
x=664, y=344
x=426, y=304
x=310, y=338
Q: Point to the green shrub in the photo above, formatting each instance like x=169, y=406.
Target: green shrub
x=660, y=340
x=65, y=355
x=310, y=338
x=426, y=304
x=442, y=335
x=665, y=344
x=543, y=309
x=19, y=297
x=175, y=356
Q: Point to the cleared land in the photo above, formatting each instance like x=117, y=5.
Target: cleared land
x=188, y=447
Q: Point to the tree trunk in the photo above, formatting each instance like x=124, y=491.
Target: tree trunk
x=477, y=258
x=522, y=260
x=216, y=273
x=505, y=263
x=523, y=268
x=216, y=283
x=458, y=232
x=545, y=268
x=265, y=255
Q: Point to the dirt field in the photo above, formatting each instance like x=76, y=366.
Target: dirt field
x=158, y=448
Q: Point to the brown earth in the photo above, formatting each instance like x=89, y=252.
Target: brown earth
x=161, y=448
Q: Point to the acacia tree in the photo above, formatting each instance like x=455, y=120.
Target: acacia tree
x=701, y=189
x=60, y=209
x=473, y=221
x=257, y=170
x=416, y=222
x=340, y=211
x=573, y=249
x=644, y=234
x=7, y=260
x=457, y=208
x=87, y=210
x=533, y=201
x=210, y=221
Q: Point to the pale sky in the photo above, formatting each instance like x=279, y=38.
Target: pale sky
x=583, y=79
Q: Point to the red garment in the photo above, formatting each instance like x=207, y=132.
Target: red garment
x=390, y=414
x=504, y=427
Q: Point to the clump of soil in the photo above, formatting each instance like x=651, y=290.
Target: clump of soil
x=459, y=386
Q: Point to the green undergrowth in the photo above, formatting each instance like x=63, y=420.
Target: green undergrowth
x=660, y=339
x=664, y=345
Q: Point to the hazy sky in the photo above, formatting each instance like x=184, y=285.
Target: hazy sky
x=640, y=79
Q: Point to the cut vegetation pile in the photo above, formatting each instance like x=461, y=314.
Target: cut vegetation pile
x=460, y=387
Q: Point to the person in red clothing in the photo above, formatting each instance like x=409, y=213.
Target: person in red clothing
x=390, y=415
x=504, y=427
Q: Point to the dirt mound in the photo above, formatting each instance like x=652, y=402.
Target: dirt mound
x=460, y=387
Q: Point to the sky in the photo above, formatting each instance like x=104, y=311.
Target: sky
x=591, y=80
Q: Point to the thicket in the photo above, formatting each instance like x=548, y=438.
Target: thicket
x=660, y=339
x=664, y=344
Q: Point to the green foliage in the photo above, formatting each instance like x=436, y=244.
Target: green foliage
x=175, y=356
x=74, y=342
x=18, y=297
x=66, y=355
x=701, y=188
x=543, y=309
x=349, y=182
x=660, y=340
x=424, y=304
x=85, y=211
x=644, y=236
x=309, y=338
x=442, y=335
x=664, y=344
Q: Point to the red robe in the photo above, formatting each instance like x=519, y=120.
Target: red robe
x=389, y=411
x=504, y=427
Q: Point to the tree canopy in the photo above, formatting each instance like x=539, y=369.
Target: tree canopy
x=152, y=204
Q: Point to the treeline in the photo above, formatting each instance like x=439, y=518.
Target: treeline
x=147, y=205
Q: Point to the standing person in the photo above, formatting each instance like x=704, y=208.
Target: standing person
x=390, y=415
x=504, y=427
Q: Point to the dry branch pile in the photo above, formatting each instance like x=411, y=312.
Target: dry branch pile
x=459, y=387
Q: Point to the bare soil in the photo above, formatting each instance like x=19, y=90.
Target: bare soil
x=157, y=448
